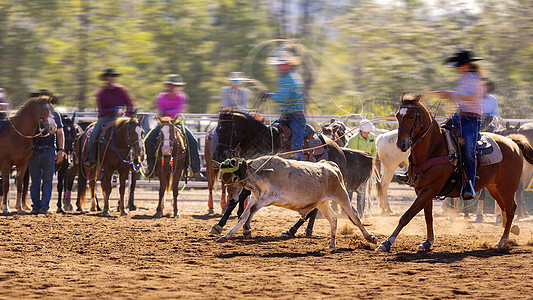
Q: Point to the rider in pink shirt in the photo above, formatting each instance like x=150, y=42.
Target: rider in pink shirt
x=171, y=103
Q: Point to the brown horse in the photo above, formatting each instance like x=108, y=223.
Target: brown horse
x=16, y=140
x=121, y=146
x=420, y=131
x=213, y=173
x=171, y=160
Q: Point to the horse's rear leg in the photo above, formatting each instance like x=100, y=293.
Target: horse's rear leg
x=123, y=176
x=131, y=198
x=22, y=171
x=5, y=190
x=105, y=182
x=25, y=187
x=505, y=200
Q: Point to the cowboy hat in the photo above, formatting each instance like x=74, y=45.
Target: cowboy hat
x=283, y=57
x=365, y=125
x=236, y=76
x=460, y=58
x=174, y=79
x=109, y=73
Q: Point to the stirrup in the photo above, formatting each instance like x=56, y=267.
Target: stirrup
x=402, y=177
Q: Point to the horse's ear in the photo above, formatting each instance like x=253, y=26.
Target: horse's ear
x=141, y=119
x=417, y=97
x=73, y=117
x=517, y=126
x=402, y=95
x=507, y=125
x=321, y=127
x=158, y=118
x=175, y=119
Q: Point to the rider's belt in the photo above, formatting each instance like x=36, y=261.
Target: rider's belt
x=287, y=116
x=42, y=148
x=469, y=114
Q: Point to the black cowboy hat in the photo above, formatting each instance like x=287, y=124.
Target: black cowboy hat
x=109, y=73
x=460, y=58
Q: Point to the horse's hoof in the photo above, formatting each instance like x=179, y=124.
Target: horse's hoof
x=515, y=230
x=158, y=215
x=176, y=215
x=501, y=244
x=287, y=233
x=123, y=214
x=105, y=214
x=479, y=218
x=308, y=232
x=222, y=239
x=132, y=207
x=424, y=246
x=331, y=247
x=247, y=235
x=21, y=212
x=210, y=211
x=60, y=210
x=372, y=239
x=216, y=229
x=384, y=246
x=68, y=207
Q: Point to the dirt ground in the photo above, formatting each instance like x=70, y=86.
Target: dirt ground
x=88, y=256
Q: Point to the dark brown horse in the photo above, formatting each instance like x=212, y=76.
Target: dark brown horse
x=213, y=173
x=171, y=160
x=16, y=140
x=119, y=151
x=240, y=134
x=420, y=131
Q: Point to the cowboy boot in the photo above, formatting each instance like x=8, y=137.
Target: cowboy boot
x=468, y=191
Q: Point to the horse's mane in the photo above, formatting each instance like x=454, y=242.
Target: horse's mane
x=228, y=114
x=120, y=121
x=33, y=101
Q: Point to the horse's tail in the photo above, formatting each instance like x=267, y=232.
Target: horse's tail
x=377, y=175
x=524, y=145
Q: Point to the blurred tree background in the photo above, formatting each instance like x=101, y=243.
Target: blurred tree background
x=358, y=54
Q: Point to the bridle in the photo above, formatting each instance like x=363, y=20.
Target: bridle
x=131, y=145
x=418, y=120
x=41, y=119
x=173, y=143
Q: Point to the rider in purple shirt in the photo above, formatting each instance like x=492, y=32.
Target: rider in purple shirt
x=109, y=99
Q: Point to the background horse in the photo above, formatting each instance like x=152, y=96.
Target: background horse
x=431, y=167
x=240, y=134
x=212, y=171
x=66, y=170
x=16, y=140
x=388, y=159
x=171, y=160
x=119, y=151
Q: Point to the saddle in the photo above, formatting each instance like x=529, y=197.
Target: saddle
x=487, y=153
x=312, y=141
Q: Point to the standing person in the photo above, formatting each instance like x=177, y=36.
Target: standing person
x=47, y=151
x=364, y=140
x=4, y=104
x=235, y=95
x=290, y=96
x=109, y=99
x=170, y=103
x=490, y=104
x=469, y=108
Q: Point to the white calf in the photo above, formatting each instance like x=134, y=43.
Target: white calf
x=296, y=185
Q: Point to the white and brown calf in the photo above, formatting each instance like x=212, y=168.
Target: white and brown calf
x=297, y=185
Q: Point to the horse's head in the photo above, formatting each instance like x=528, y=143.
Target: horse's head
x=135, y=135
x=45, y=111
x=508, y=129
x=70, y=132
x=334, y=131
x=413, y=121
x=231, y=130
x=168, y=135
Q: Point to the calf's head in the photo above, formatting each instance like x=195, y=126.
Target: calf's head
x=233, y=171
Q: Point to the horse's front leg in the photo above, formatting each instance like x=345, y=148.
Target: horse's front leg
x=122, y=190
x=106, y=191
x=61, y=174
x=430, y=237
x=175, y=191
x=421, y=201
x=21, y=174
x=5, y=190
x=163, y=177
x=131, y=198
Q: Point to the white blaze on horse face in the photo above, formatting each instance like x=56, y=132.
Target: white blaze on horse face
x=139, y=132
x=50, y=120
x=403, y=111
x=165, y=148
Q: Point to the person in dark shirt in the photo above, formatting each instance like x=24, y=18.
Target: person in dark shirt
x=47, y=150
x=109, y=99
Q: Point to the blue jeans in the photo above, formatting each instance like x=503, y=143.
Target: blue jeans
x=297, y=126
x=96, y=131
x=42, y=167
x=469, y=127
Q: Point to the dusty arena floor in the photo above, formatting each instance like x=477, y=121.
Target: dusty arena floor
x=89, y=256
